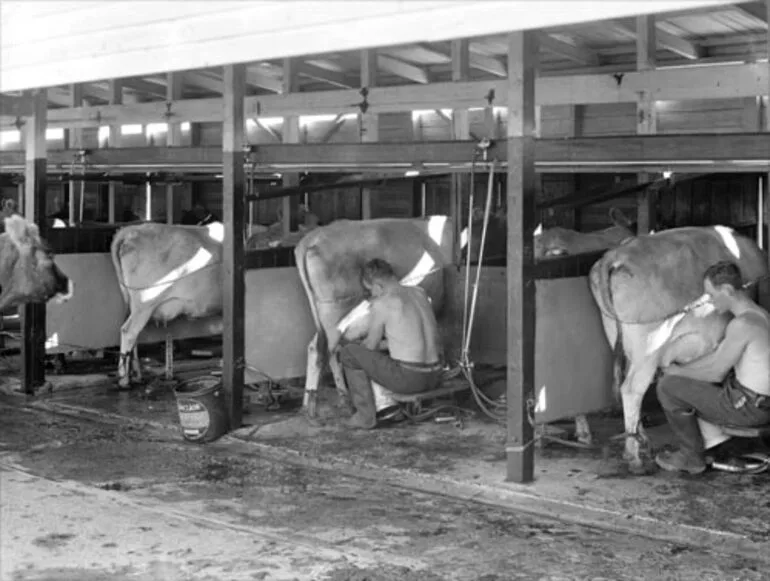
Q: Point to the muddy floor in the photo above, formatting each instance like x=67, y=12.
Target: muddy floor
x=87, y=501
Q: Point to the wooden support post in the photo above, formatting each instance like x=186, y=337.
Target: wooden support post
x=646, y=120
x=369, y=123
x=290, y=134
x=766, y=199
x=34, y=207
x=461, y=130
x=522, y=66
x=234, y=215
x=174, y=92
x=113, y=140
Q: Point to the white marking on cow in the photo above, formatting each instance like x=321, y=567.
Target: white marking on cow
x=422, y=269
x=728, y=237
x=216, y=231
x=464, y=238
x=539, y=230
x=58, y=223
x=200, y=260
x=542, y=400
x=700, y=307
x=63, y=298
x=361, y=310
x=52, y=341
x=436, y=228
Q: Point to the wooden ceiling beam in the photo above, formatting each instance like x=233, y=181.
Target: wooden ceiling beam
x=666, y=40
x=754, y=9
x=317, y=73
x=567, y=50
x=148, y=87
x=402, y=69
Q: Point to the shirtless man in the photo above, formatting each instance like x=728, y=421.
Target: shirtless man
x=741, y=364
x=403, y=317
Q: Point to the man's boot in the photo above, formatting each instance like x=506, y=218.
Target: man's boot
x=362, y=397
x=689, y=456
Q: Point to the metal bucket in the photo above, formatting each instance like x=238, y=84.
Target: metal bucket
x=202, y=411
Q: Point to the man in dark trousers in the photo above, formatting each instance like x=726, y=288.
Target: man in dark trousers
x=403, y=317
x=731, y=385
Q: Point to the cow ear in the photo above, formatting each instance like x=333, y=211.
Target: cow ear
x=539, y=230
x=21, y=233
x=619, y=218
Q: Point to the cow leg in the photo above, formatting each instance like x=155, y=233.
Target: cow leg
x=136, y=365
x=312, y=377
x=129, y=333
x=632, y=392
x=583, y=430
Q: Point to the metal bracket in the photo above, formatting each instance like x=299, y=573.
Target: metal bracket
x=618, y=78
x=484, y=145
x=168, y=114
x=19, y=123
x=364, y=104
x=490, y=97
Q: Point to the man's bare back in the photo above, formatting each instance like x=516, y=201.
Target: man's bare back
x=753, y=367
x=410, y=325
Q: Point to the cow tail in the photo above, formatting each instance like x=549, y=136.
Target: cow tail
x=301, y=251
x=115, y=248
x=619, y=360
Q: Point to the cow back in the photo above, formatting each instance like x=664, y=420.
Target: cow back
x=652, y=277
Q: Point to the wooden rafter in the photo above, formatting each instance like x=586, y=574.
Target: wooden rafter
x=675, y=44
x=403, y=69
x=754, y=9
x=313, y=71
x=334, y=128
x=568, y=50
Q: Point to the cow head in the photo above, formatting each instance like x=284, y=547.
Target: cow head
x=28, y=273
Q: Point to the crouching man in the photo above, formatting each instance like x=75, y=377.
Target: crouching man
x=730, y=386
x=402, y=318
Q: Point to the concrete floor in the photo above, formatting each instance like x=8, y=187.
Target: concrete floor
x=91, y=499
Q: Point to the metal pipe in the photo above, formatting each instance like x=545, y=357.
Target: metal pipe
x=423, y=198
x=761, y=213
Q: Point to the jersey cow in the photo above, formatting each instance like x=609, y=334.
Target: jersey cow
x=164, y=272
x=549, y=242
x=28, y=273
x=329, y=260
x=647, y=291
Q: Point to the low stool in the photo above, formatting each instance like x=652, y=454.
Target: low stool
x=413, y=401
x=752, y=463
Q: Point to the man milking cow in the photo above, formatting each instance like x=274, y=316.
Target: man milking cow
x=731, y=385
x=402, y=321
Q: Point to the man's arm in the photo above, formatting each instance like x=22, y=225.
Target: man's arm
x=376, y=326
x=717, y=364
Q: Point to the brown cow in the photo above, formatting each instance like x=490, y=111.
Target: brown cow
x=644, y=288
x=164, y=272
x=28, y=273
x=329, y=261
x=549, y=242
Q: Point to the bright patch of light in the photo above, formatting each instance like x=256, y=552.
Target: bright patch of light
x=464, y=238
x=447, y=112
x=667, y=175
x=436, y=228
x=420, y=271
x=130, y=129
x=185, y=126
x=728, y=237
x=58, y=223
x=155, y=129
x=216, y=231
x=271, y=120
x=356, y=315
x=104, y=133
x=52, y=341
x=250, y=123
x=148, y=202
x=411, y=173
x=542, y=401
x=12, y=136
x=200, y=260
x=539, y=230
x=418, y=113
x=500, y=110
x=308, y=119
x=54, y=133
x=350, y=116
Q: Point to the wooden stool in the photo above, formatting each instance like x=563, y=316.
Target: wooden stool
x=414, y=400
x=760, y=432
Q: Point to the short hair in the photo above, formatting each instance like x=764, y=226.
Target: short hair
x=377, y=269
x=725, y=272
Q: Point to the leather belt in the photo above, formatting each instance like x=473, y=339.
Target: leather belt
x=423, y=367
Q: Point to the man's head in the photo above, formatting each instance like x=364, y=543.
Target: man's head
x=723, y=283
x=377, y=275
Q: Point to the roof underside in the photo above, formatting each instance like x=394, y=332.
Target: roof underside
x=726, y=33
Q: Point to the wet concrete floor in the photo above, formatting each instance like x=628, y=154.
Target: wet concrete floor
x=84, y=500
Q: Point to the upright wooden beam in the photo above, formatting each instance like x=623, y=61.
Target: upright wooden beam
x=766, y=201
x=33, y=315
x=461, y=130
x=522, y=66
x=113, y=140
x=234, y=216
x=290, y=134
x=647, y=122
x=174, y=92
x=369, y=128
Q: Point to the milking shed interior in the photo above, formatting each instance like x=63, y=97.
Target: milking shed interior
x=585, y=92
